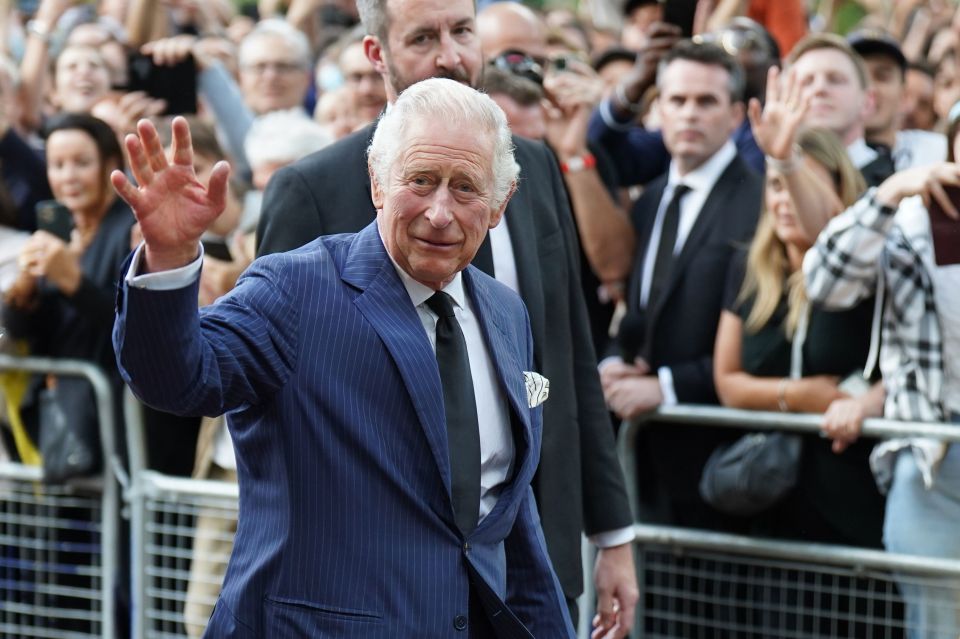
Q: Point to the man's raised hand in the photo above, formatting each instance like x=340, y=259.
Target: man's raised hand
x=172, y=206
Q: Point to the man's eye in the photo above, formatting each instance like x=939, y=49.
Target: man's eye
x=421, y=181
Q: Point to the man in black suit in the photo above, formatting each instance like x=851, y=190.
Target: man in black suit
x=689, y=222
x=579, y=484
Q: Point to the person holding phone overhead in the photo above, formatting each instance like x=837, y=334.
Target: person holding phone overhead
x=62, y=299
x=908, y=244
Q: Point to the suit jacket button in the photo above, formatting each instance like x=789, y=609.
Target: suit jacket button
x=460, y=622
x=466, y=546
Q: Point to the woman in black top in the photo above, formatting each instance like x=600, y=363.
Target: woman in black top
x=63, y=299
x=835, y=500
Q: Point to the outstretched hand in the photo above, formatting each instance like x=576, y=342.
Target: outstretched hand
x=775, y=125
x=172, y=206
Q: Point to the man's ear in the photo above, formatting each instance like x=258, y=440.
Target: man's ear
x=498, y=214
x=374, y=52
x=376, y=191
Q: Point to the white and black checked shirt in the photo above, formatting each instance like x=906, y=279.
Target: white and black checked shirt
x=862, y=244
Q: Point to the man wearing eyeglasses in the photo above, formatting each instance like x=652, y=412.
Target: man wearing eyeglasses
x=579, y=484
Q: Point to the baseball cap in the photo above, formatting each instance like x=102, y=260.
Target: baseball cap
x=871, y=41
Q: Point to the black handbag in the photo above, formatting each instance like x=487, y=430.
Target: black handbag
x=752, y=473
x=69, y=445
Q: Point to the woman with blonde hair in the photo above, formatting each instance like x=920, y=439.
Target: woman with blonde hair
x=774, y=351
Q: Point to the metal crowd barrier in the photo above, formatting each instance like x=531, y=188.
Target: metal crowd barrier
x=58, y=543
x=174, y=588
x=697, y=583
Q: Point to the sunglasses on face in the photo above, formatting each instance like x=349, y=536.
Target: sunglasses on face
x=521, y=64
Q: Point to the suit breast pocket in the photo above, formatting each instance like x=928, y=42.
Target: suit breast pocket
x=287, y=617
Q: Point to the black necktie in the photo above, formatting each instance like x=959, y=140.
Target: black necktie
x=460, y=405
x=483, y=260
x=880, y=168
x=668, y=239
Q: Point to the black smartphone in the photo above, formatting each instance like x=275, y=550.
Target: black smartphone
x=680, y=13
x=945, y=230
x=217, y=249
x=54, y=218
x=176, y=84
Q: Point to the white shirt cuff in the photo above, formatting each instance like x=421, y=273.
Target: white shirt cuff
x=613, y=538
x=163, y=280
x=666, y=386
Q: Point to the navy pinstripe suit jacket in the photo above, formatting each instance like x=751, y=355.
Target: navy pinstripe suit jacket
x=346, y=525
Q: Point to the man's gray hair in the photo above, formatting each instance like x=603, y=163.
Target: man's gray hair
x=285, y=31
x=373, y=16
x=448, y=101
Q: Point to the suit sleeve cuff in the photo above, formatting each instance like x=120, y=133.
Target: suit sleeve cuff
x=609, y=119
x=163, y=280
x=612, y=538
x=666, y=386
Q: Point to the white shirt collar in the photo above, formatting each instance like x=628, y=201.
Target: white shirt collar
x=706, y=175
x=860, y=153
x=420, y=293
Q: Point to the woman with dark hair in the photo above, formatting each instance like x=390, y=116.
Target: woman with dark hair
x=62, y=301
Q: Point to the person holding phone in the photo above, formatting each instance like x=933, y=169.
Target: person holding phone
x=900, y=234
x=63, y=298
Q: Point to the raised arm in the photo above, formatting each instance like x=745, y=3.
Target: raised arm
x=172, y=206
x=775, y=128
x=842, y=267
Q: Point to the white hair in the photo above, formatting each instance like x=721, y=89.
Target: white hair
x=287, y=32
x=448, y=101
x=283, y=137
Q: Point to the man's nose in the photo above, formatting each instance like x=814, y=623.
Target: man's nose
x=440, y=213
x=448, y=55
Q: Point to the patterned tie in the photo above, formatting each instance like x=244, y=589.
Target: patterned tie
x=460, y=406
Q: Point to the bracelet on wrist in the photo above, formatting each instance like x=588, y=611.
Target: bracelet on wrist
x=39, y=30
x=782, y=395
x=579, y=163
x=620, y=97
x=789, y=165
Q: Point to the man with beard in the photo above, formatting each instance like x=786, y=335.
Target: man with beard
x=579, y=485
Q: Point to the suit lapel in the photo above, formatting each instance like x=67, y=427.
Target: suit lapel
x=523, y=238
x=711, y=212
x=644, y=226
x=509, y=369
x=386, y=305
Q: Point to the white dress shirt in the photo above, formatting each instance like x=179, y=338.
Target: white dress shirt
x=700, y=181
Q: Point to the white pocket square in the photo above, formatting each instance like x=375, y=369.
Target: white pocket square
x=538, y=388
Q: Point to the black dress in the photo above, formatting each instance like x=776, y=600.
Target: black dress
x=836, y=499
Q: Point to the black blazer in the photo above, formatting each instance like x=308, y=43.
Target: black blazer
x=579, y=485
x=681, y=330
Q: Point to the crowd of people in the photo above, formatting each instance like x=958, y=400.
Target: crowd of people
x=725, y=202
